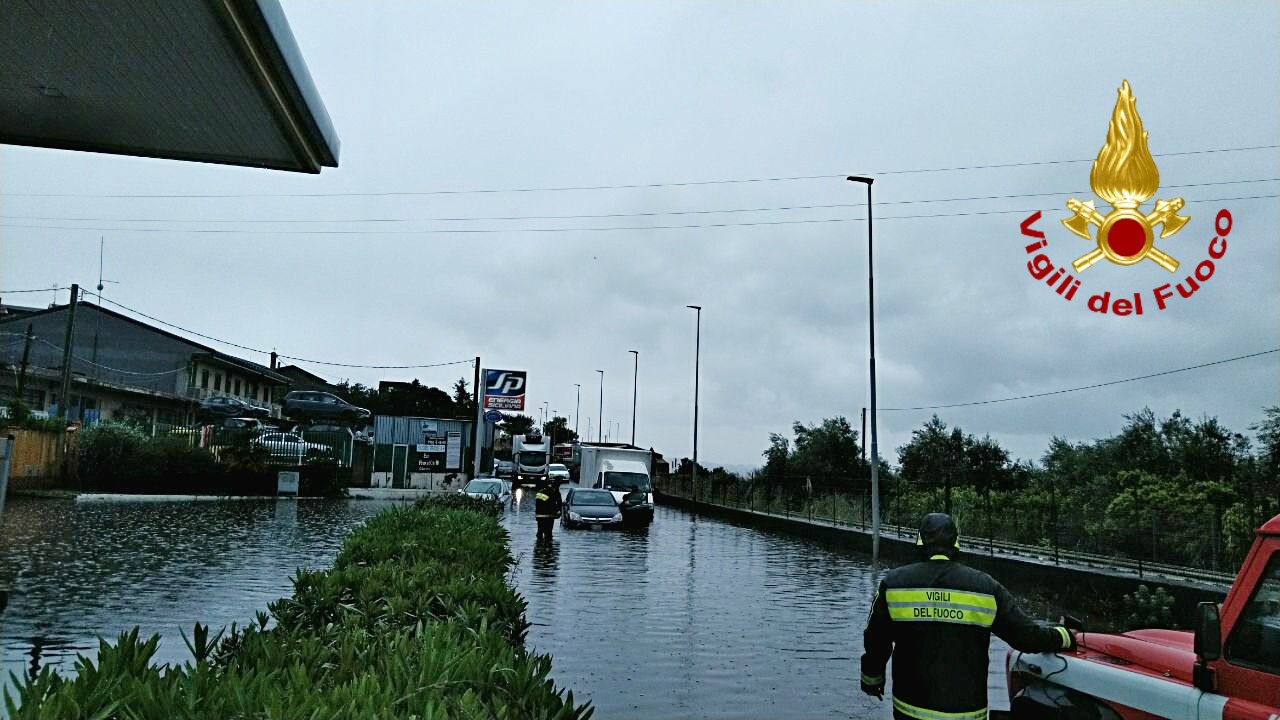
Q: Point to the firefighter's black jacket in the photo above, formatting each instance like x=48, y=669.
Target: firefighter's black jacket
x=546, y=502
x=936, y=618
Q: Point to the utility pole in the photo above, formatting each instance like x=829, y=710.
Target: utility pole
x=577, y=410
x=26, y=355
x=475, y=427
x=635, y=384
x=64, y=397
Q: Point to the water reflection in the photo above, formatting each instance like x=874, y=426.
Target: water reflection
x=695, y=617
x=78, y=570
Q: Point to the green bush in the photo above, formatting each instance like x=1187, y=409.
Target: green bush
x=109, y=455
x=1146, y=609
x=414, y=619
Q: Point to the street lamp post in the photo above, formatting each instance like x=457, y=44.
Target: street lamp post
x=600, y=424
x=875, y=448
x=577, y=408
x=697, y=360
x=635, y=384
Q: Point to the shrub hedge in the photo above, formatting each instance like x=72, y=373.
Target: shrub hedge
x=414, y=620
x=119, y=457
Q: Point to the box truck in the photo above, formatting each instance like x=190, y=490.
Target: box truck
x=532, y=454
x=620, y=470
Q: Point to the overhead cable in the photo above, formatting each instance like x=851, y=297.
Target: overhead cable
x=496, y=218
x=1084, y=387
x=266, y=352
x=627, y=186
x=486, y=231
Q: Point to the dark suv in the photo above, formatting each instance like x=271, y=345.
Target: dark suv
x=315, y=405
x=225, y=406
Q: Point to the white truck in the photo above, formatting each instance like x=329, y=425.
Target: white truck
x=532, y=454
x=620, y=470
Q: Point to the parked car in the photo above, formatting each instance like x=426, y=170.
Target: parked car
x=504, y=469
x=586, y=507
x=315, y=405
x=483, y=488
x=291, y=447
x=247, y=423
x=225, y=406
x=557, y=473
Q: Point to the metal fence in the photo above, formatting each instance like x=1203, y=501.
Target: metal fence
x=1187, y=548
x=271, y=446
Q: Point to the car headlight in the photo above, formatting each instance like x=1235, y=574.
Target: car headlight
x=617, y=517
x=574, y=516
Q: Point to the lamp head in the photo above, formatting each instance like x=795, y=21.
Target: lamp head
x=694, y=307
x=861, y=179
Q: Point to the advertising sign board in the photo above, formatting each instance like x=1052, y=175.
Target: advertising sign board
x=431, y=455
x=504, y=389
x=453, y=451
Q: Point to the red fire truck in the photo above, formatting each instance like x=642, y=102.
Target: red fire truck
x=1229, y=667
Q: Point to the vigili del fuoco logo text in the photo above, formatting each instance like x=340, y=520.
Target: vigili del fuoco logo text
x=1125, y=176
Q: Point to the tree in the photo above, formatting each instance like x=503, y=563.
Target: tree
x=776, y=457
x=557, y=428
x=462, y=397
x=517, y=424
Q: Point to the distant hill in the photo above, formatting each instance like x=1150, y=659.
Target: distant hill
x=739, y=469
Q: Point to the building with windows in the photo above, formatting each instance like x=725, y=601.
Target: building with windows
x=121, y=368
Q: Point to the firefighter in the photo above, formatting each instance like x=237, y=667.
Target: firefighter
x=935, y=617
x=546, y=508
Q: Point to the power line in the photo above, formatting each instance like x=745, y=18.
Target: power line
x=628, y=186
x=1084, y=387
x=485, y=231
x=48, y=289
x=265, y=352
x=783, y=208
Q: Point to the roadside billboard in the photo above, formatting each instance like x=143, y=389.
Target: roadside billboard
x=504, y=389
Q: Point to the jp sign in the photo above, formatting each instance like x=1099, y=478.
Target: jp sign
x=504, y=389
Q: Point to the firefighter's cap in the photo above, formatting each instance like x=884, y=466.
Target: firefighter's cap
x=938, y=530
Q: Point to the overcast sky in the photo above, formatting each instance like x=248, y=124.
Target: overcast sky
x=468, y=95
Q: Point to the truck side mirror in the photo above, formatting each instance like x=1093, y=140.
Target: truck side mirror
x=1208, y=645
x=1208, y=636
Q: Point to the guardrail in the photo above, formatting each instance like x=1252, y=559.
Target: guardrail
x=1141, y=568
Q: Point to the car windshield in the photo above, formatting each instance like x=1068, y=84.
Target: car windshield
x=626, y=481
x=593, y=497
x=558, y=468
x=529, y=457
x=484, y=486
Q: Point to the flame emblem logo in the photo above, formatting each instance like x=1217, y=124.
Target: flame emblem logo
x=1125, y=175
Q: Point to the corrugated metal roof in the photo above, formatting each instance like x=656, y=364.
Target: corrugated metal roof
x=389, y=430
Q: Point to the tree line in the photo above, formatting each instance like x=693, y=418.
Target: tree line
x=1168, y=489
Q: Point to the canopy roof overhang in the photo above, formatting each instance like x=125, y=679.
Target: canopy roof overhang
x=219, y=81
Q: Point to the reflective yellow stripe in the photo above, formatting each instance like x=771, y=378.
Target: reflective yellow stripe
x=1066, y=637
x=540, y=496
x=872, y=679
x=939, y=557
x=923, y=714
x=941, y=605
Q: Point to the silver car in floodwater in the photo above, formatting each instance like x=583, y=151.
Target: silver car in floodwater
x=487, y=488
x=585, y=507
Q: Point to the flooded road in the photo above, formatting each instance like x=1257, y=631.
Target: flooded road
x=698, y=617
x=693, y=617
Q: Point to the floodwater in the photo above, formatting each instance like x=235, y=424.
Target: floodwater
x=696, y=617
x=75, y=571
x=691, y=617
